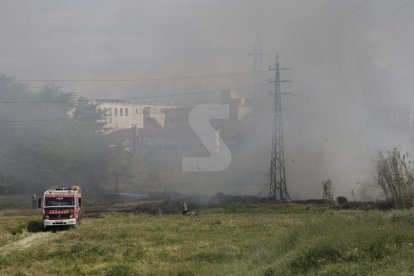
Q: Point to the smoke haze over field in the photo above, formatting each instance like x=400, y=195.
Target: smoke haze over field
x=347, y=58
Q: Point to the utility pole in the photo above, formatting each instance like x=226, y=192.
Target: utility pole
x=134, y=138
x=257, y=55
x=277, y=189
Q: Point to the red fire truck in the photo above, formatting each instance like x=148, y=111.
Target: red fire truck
x=62, y=206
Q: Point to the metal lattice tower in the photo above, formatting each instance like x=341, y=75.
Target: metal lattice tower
x=278, y=189
x=258, y=55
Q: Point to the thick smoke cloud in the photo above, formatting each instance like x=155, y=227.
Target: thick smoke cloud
x=345, y=64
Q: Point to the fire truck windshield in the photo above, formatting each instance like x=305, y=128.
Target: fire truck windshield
x=59, y=201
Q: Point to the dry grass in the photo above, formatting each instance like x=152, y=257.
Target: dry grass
x=262, y=239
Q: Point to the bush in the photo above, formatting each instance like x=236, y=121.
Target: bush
x=341, y=200
x=314, y=257
x=395, y=177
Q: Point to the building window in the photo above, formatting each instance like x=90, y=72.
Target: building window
x=121, y=112
x=136, y=111
x=126, y=112
x=146, y=111
x=115, y=111
x=109, y=112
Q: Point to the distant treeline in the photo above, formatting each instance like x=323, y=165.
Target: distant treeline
x=53, y=138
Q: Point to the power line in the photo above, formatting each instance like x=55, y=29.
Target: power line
x=349, y=15
x=94, y=118
x=191, y=93
x=140, y=97
x=33, y=101
x=46, y=120
x=135, y=80
x=312, y=38
x=395, y=11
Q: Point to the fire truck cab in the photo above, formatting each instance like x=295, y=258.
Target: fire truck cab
x=62, y=206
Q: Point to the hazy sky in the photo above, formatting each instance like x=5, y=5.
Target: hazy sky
x=346, y=56
x=96, y=39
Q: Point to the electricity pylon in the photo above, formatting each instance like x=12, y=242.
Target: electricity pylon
x=277, y=189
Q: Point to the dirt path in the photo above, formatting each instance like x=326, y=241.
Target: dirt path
x=24, y=243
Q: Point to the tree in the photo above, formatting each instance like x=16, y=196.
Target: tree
x=327, y=190
x=53, y=138
x=88, y=149
x=395, y=177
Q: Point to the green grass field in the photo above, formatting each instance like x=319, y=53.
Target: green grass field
x=262, y=239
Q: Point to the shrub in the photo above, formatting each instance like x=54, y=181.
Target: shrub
x=341, y=200
x=314, y=257
x=395, y=177
x=327, y=190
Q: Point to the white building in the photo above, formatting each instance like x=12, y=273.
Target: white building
x=122, y=114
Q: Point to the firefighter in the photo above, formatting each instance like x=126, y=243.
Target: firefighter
x=34, y=201
x=184, y=207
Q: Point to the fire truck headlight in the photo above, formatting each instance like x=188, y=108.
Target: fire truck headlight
x=46, y=216
x=71, y=216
